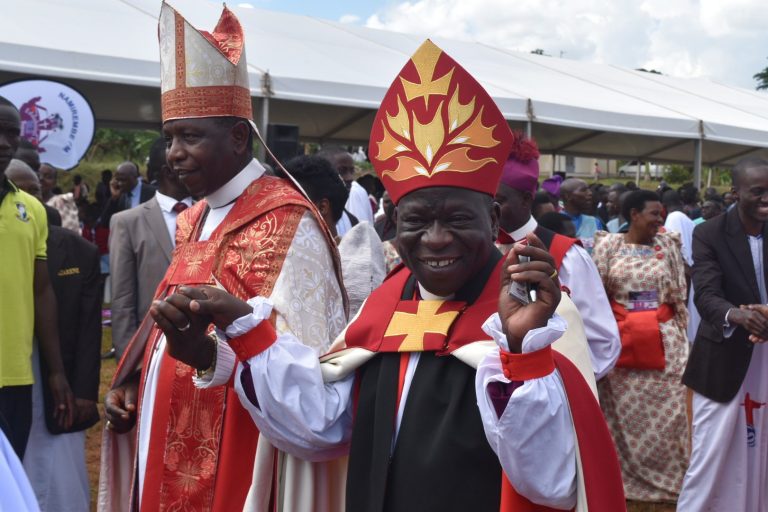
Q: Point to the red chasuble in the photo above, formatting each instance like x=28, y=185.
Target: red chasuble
x=387, y=323
x=202, y=442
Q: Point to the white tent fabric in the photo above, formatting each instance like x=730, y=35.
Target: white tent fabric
x=328, y=78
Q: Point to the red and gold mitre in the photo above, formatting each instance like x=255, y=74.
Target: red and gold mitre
x=437, y=127
x=202, y=74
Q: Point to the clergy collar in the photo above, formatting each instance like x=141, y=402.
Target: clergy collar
x=521, y=232
x=426, y=295
x=232, y=189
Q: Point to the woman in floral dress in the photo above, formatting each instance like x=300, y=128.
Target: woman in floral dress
x=642, y=398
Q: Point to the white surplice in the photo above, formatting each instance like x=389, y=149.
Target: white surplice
x=305, y=415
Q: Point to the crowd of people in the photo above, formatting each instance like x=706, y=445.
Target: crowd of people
x=450, y=332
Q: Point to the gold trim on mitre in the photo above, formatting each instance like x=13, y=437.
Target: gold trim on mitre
x=202, y=74
x=435, y=124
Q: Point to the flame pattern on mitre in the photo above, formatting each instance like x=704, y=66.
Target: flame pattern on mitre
x=437, y=126
x=203, y=74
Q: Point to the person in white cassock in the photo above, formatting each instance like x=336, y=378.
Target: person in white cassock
x=444, y=390
x=577, y=271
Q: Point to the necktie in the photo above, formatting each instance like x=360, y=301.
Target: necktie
x=179, y=207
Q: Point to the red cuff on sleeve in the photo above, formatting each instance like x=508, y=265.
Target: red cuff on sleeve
x=254, y=342
x=533, y=365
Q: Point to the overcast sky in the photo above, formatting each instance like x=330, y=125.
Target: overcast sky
x=726, y=40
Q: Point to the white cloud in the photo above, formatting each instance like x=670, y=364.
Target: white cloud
x=349, y=18
x=726, y=41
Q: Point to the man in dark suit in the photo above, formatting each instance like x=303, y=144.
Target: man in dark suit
x=140, y=244
x=128, y=191
x=728, y=365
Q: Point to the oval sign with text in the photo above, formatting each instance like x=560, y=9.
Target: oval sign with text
x=56, y=118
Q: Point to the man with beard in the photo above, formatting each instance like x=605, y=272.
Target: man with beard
x=169, y=445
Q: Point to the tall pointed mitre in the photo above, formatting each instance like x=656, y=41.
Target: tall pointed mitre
x=203, y=74
x=438, y=127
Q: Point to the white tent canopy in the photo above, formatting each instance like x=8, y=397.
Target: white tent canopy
x=328, y=78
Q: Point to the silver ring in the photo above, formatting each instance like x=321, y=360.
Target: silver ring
x=185, y=328
x=110, y=426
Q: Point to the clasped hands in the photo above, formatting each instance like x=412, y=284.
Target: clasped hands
x=185, y=318
x=753, y=318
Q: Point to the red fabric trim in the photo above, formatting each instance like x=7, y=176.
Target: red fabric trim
x=155, y=468
x=254, y=342
x=367, y=331
x=401, y=379
x=602, y=473
x=522, y=367
x=561, y=245
x=206, y=101
x=511, y=501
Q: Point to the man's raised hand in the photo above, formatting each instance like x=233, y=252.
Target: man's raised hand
x=518, y=318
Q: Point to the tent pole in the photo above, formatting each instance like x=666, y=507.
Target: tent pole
x=263, y=126
x=266, y=92
x=697, y=163
x=529, y=129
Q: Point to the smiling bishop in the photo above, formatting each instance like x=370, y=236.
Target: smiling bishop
x=444, y=390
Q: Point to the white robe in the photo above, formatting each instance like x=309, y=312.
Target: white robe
x=311, y=417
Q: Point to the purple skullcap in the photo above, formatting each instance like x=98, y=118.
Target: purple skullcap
x=552, y=185
x=521, y=170
x=521, y=176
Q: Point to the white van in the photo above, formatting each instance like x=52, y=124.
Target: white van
x=654, y=171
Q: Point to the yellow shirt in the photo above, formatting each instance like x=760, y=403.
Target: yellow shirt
x=23, y=235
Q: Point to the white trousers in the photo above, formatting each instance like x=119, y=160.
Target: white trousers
x=729, y=459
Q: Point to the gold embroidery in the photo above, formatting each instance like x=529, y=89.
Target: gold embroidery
x=415, y=325
x=68, y=271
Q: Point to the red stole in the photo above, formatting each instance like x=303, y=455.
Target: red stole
x=372, y=330
x=202, y=442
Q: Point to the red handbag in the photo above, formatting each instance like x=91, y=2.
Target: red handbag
x=641, y=346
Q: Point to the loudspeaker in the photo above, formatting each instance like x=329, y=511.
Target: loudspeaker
x=283, y=141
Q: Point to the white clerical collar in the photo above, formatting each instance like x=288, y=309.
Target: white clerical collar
x=528, y=227
x=425, y=295
x=232, y=189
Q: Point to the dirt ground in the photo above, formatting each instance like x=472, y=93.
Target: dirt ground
x=93, y=438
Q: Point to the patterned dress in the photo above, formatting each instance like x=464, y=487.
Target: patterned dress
x=645, y=409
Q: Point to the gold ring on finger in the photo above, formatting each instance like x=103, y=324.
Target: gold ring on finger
x=554, y=274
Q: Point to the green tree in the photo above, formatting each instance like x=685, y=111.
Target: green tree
x=762, y=79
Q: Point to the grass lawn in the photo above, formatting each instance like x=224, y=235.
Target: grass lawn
x=93, y=436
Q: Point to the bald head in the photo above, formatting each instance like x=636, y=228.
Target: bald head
x=24, y=177
x=576, y=196
x=127, y=176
